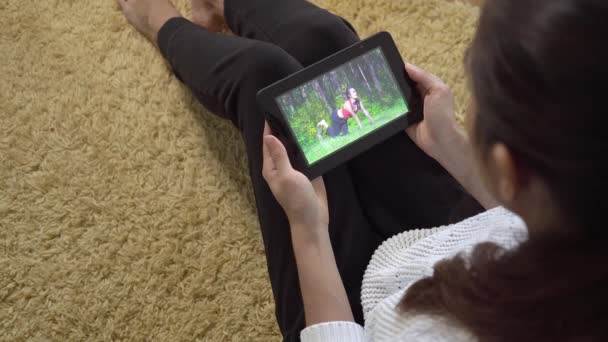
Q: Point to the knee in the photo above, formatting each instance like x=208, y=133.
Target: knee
x=333, y=30
x=266, y=64
x=261, y=65
x=330, y=35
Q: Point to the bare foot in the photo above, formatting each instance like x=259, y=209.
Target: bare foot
x=209, y=14
x=148, y=16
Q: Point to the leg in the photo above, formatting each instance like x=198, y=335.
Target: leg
x=344, y=129
x=305, y=31
x=226, y=73
x=320, y=126
x=423, y=194
x=336, y=125
x=340, y=125
x=234, y=82
x=400, y=187
x=234, y=77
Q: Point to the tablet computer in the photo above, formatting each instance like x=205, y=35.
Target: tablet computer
x=335, y=109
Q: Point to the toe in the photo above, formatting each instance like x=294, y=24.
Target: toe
x=122, y=4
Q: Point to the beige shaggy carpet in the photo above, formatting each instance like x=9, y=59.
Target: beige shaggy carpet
x=125, y=209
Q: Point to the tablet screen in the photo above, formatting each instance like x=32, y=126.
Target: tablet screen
x=339, y=107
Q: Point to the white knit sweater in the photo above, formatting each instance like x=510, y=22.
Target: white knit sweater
x=406, y=258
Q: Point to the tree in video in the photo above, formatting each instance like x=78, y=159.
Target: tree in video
x=343, y=105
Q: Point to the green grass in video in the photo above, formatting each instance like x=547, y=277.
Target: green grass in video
x=308, y=105
x=324, y=147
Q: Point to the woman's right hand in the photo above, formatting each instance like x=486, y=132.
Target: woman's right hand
x=304, y=201
x=440, y=136
x=439, y=126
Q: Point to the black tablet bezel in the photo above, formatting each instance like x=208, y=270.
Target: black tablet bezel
x=267, y=103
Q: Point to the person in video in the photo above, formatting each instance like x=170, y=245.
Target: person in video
x=339, y=118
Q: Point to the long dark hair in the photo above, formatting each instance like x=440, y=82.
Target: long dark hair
x=347, y=96
x=539, y=73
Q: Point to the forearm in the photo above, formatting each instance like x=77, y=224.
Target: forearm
x=458, y=158
x=323, y=292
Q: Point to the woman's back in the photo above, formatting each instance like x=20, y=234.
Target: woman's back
x=538, y=73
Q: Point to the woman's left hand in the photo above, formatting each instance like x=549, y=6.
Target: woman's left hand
x=304, y=202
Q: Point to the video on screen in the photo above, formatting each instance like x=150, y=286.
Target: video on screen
x=343, y=105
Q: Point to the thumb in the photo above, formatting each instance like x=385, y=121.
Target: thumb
x=277, y=153
x=425, y=81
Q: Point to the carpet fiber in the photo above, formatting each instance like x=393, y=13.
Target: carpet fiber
x=126, y=212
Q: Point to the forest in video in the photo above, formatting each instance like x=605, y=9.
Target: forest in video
x=305, y=106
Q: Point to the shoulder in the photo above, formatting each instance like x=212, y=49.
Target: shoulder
x=433, y=329
x=496, y=225
x=410, y=256
x=388, y=323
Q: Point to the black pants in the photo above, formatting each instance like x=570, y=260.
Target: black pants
x=388, y=189
x=339, y=126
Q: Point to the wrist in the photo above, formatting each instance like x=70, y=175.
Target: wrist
x=309, y=235
x=458, y=158
x=452, y=146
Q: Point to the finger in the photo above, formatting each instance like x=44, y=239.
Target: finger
x=267, y=130
x=277, y=153
x=267, y=164
x=425, y=81
x=421, y=90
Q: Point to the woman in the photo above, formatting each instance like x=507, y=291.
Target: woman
x=537, y=146
x=339, y=118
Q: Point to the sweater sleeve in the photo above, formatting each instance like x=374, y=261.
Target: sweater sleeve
x=334, y=332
